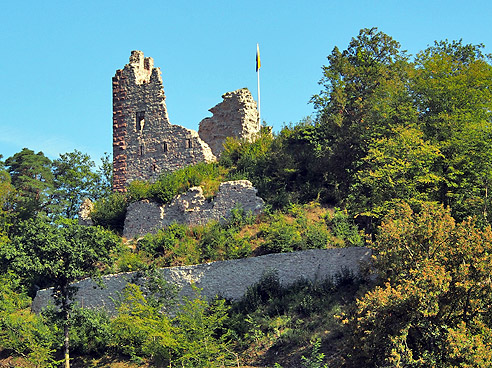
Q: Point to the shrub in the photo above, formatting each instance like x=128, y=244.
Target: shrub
x=90, y=331
x=165, y=240
x=22, y=332
x=316, y=358
x=129, y=261
x=138, y=190
x=194, y=338
x=110, y=212
x=203, y=340
x=171, y=184
x=315, y=236
x=281, y=236
x=344, y=228
x=140, y=329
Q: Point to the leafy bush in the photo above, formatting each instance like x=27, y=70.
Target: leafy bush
x=239, y=218
x=138, y=190
x=221, y=242
x=90, y=331
x=281, y=236
x=344, y=228
x=316, y=358
x=140, y=329
x=195, y=337
x=176, y=182
x=110, y=212
x=166, y=239
x=315, y=236
x=129, y=260
x=203, y=341
x=433, y=309
x=22, y=332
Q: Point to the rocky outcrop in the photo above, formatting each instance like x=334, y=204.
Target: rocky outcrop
x=192, y=208
x=236, y=116
x=228, y=279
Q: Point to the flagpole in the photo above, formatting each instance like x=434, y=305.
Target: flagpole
x=258, y=66
x=259, y=109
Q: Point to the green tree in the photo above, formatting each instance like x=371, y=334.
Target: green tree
x=141, y=329
x=105, y=176
x=33, y=180
x=110, y=211
x=57, y=255
x=6, y=193
x=453, y=91
x=74, y=180
x=364, y=97
x=402, y=167
x=195, y=337
x=432, y=306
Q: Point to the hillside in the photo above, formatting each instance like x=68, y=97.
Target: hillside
x=398, y=158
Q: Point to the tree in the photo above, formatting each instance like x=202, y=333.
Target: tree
x=402, y=167
x=364, y=97
x=105, y=177
x=43, y=254
x=33, y=180
x=453, y=92
x=6, y=193
x=74, y=180
x=432, y=307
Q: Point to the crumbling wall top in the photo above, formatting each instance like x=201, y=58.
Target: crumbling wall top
x=236, y=116
x=142, y=67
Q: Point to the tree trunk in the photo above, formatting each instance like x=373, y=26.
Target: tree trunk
x=66, y=311
x=67, y=342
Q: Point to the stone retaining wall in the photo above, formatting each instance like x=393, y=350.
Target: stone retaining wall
x=228, y=279
x=191, y=208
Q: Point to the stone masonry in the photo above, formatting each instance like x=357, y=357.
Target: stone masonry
x=191, y=208
x=144, y=141
x=146, y=144
x=236, y=116
x=228, y=279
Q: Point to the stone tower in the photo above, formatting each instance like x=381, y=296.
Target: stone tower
x=145, y=144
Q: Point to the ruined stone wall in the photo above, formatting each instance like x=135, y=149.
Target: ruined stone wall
x=236, y=116
x=144, y=217
x=145, y=144
x=229, y=279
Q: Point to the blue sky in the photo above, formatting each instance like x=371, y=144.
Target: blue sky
x=58, y=57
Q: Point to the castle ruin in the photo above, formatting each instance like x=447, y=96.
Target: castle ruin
x=146, y=144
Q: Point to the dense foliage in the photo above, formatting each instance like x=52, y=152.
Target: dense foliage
x=433, y=305
x=387, y=129
x=398, y=157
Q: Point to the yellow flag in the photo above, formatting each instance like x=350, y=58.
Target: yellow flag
x=258, y=62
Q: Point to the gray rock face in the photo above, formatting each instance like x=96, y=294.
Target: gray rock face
x=228, y=279
x=191, y=208
x=236, y=116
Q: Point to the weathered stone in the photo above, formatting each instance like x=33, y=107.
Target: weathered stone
x=228, y=279
x=192, y=208
x=145, y=142
x=236, y=116
x=85, y=212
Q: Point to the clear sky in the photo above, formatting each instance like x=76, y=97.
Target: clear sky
x=58, y=57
